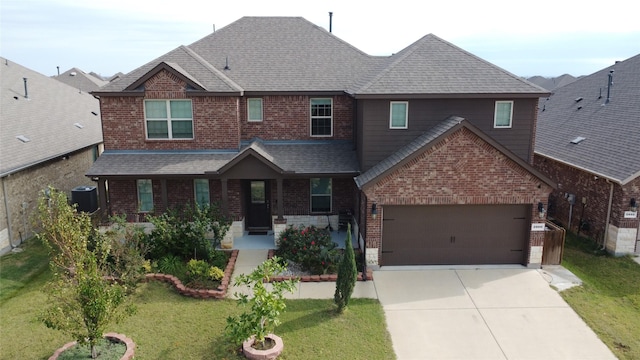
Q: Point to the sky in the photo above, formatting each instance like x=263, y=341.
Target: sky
x=546, y=38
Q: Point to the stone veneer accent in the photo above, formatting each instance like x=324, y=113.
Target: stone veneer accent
x=621, y=241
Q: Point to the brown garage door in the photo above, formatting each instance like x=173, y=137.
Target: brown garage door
x=455, y=234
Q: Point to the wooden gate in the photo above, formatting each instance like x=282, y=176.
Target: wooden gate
x=553, y=244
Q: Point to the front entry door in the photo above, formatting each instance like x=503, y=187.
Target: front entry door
x=259, y=205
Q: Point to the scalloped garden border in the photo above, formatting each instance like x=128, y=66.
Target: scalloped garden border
x=128, y=354
x=219, y=293
x=316, y=278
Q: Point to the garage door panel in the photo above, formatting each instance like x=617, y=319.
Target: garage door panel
x=455, y=234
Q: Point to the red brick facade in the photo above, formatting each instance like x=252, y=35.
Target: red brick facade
x=591, y=199
x=288, y=117
x=461, y=169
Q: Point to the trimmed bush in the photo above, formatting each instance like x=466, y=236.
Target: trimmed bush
x=310, y=247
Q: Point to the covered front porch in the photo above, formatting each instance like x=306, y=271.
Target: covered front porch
x=266, y=240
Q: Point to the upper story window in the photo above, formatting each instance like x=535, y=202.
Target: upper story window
x=503, y=115
x=320, y=195
x=254, y=109
x=145, y=195
x=399, y=115
x=201, y=192
x=321, y=117
x=168, y=119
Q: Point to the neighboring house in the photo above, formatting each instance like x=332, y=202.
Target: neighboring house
x=49, y=135
x=587, y=140
x=429, y=150
x=81, y=80
x=553, y=82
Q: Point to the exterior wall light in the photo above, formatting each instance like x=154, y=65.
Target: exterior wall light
x=541, y=210
x=374, y=210
x=633, y=205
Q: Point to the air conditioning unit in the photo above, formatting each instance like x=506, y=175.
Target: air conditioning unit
x=86, y=198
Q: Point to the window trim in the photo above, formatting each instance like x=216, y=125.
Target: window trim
x=312, y=195
x=311, y=117
x=406, y=115
x=495, y=115
x=249, y=111
x=168, y=120
x=195, y=191
x=138, y=182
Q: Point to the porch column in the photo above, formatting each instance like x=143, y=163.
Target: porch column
x=102, y=197
x=163, y=186
x=225, y=196
x=280, y=200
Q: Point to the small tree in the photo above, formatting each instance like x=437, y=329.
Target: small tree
x=82, y=302
x=265, y=306
x=347, y=275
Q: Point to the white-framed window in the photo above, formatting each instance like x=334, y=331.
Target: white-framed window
x=321, y=117
x=168, y=119
x=201, y=192
x=399, y=115
x=503, y=114
x=320, y=195
x=254, y=109
x=145, y=195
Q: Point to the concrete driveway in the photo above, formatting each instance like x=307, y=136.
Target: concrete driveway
x=498, y=313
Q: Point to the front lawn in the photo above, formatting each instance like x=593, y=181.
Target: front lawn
x=170, y=326
x=609, y=300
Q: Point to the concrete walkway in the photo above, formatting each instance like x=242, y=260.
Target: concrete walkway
x=470, y=313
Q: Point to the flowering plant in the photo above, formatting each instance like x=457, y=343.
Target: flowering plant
x=310, y=247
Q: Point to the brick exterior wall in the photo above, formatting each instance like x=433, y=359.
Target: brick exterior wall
x=215, y=119
x=287, y=117
x=595, y=191
x=462, y=169
x=23, y=190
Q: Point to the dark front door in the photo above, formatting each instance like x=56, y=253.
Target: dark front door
x=259, y=205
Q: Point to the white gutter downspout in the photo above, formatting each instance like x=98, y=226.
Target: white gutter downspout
x=6, y=207
x=606, y=228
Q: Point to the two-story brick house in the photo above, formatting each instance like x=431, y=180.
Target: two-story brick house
x=283, y=123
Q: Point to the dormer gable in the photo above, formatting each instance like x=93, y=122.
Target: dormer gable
x=165, y=76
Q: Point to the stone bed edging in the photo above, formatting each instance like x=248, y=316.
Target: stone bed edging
x=219, y=293
x=129, y=344
x=316, y=278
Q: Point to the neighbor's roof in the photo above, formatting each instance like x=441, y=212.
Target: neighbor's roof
x=291, y=54
x=611, y=131
x=54, y=120
x=81, y=80
x=332, y=157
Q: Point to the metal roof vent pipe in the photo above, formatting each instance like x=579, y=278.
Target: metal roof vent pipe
x=609, y=85
x=330, y=20
x=26, y=90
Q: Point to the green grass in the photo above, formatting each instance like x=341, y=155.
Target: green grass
x=17, y=270
x=171, y=326
x=609, y=300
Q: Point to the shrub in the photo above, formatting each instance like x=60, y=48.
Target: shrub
x=173, y=265
x=347, y=275
x=201, y=271
x=182, y=232
x=309, y=247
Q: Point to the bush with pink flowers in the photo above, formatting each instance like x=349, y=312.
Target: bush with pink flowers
x=309, y=247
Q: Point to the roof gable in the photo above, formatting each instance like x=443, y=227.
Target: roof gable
x=173, y=69
x=432, y=138
x=611, y=130
x=434, y=66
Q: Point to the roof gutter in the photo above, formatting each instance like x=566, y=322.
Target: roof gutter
x=450, y=95
x=608, y=178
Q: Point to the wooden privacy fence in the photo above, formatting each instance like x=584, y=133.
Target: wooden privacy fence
x=553, y=244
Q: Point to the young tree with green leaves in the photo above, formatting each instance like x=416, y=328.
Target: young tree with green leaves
x=347, y=275
x=82, y=301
